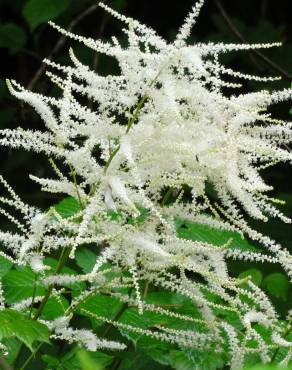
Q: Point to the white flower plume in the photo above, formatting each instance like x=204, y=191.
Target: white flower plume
x=164, y=124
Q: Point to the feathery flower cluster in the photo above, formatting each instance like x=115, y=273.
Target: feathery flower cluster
x=162, y=125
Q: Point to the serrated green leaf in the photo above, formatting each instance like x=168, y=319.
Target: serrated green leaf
x=12, y=37
x=14, y=324
x=277, y=285
x=67, y=207
x=37, y=12
x=255, y=274
x=85, y=259
x=20, y=284
x=208, y=234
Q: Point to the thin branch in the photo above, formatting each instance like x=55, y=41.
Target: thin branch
x=61, y=42
x=258, y=53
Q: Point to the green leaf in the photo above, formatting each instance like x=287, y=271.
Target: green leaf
x=174, y=302
x=37, y=12
x=208, y=234
x=13, y=323
x=149, y=320
x=100, y=358
x=100, y=305
x=19, y=284
x=265, y=367
x=12, y=37
x=135, y=359
x=87, y=362
x=79, y=359
x=277, y=285
x=85, y=259
x=196, y=360
x=255, y=274
x=67, y=207
x=53, y=362
x=157, y=350
x=180, y=361
x=5, y=266
x=54, y=308
x=13, y=345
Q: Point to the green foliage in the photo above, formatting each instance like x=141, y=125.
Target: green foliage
x=78, y=359
x=13, y=323
x=255, y=274
x=55, y=308
x=183, y=360
x=37, y=12
x=5, y=266
x=85, y=259
x=67, y=207
x=100, y=305
x=87, y=362
x=207, y=234
x=12, y=37
x=19, y=284
x=265, y=367
x=277, y=285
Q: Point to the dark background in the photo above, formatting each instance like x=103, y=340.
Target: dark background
x=24, y=45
